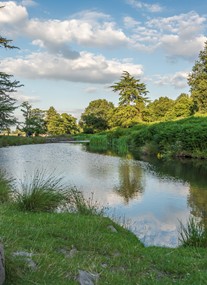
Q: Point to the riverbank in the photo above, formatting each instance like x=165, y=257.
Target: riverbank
x=186, y=138
x=15, y=140
x=52, y=248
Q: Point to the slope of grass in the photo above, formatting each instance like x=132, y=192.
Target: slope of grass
x=117, y=257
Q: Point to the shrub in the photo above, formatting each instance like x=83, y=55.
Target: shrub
x=77, y=203
x=193, y=234
x=41, y=193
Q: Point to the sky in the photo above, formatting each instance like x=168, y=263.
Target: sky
x=71, y=52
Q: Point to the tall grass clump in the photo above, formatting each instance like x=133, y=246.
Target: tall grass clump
x=193, y=234
x=5, y=187
x=40, y=193
x=99, y=142
x=79, y=204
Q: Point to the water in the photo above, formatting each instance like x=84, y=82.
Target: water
x=152, y=195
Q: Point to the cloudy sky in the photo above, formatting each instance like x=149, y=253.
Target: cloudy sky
x=72, y=51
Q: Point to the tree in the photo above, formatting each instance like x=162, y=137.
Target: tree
x=53, y=122
x=156, y=110
x=95, y=118
x=60, y=124
x=197, y=80
x=182, y=108
x=131, y=91
x=34, y=120
x=7, y=86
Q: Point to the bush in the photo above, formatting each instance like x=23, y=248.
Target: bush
x=193, y=234
x=41, y=193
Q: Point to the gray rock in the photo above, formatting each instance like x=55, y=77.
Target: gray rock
x=68, y=253
x=112, y=228
x=22, y=253
x=30, y=263
x=87, y=278
x=2, y=262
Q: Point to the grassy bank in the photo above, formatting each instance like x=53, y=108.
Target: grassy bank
x=15, y=140
x=181, y=138
x=44, y=247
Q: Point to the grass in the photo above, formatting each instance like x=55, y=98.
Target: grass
x=193, y=234
x=15, y=140
x=61, y=244
x=40, y=193
x=118, y=258
x=5, y=187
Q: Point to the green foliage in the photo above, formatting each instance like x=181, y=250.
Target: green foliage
x=197, y=80
x=7, y=86
x=60, y=124
x=40, y=193
x=131, y=91
x=157, y=110
x=96, y=116
x=124, y=116
x=15, y=140
x=5, y=187
x=186, y=137
x=193, y=234
x=34, y=120
x=79, y=204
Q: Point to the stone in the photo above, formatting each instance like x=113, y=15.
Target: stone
x=68, y=253
x=87, y=278
x=112, y=228
x=2, y=265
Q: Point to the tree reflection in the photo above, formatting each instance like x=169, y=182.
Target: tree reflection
x=130, y=180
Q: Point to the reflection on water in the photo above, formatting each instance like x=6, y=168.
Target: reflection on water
x=152, y=194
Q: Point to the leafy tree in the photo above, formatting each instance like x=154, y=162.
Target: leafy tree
x=131, y=91
x=197, y=80
x=124, y=116
x=182, y=108
x=34, y=120
x=53, y=122
x=157, y=110
x=60, y=124
x=69, y=124
x=95, y=118
x=7, y=86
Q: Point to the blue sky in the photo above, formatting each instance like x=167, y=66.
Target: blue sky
x=72, y=51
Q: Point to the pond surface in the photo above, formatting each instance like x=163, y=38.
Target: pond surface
x=151, y=195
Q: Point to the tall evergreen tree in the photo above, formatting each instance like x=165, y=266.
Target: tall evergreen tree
x=131, y=91
x=7, y=86
x=197, y=80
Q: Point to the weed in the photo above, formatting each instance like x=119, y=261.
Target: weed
x=193, y=234
x=42, y=192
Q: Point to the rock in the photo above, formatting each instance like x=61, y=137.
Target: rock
x=68, y=253
x=112, y=228
x=2, y=263
x=22, y=253
x=87, y=278
x=30, y=263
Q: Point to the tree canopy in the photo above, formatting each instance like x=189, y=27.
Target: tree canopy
x=197, y=80
x=131, y=91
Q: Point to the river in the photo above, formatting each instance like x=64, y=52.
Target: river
x=150, y=196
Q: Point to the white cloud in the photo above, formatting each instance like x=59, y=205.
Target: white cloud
x=21, y=98
x=86, y=68
x=91, y=89
x=177, y=80
x=12, y=14
x=29, y=3
x=153, y=8
x=178, y=36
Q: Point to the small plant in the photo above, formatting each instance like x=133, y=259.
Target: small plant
x=5, y=187
x=41, y=193
x=193, y=234
x=77, y=203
